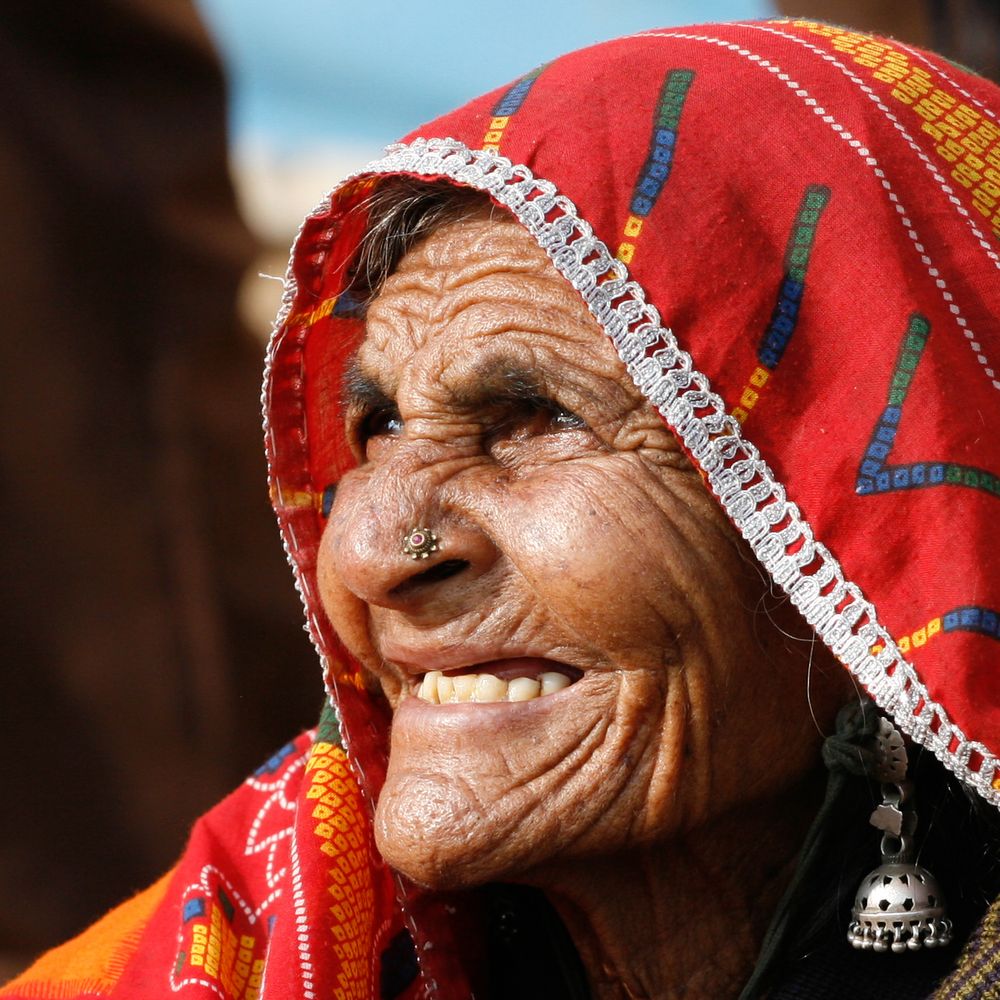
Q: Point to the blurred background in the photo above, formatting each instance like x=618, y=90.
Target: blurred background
x=156, y=158
x=308, y=106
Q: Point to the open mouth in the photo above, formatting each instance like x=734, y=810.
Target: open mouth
x=521, y=679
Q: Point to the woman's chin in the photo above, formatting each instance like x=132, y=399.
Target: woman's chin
x=427, y=829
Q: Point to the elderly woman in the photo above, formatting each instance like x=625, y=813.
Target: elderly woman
x=591, y=408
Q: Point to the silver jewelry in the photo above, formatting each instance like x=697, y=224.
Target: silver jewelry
x=899, y=905
x=419, y=543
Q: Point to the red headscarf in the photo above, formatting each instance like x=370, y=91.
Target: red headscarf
x=791, y=234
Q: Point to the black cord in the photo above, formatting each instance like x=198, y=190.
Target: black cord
x=848, y=753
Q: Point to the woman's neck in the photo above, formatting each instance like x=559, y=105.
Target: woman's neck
x=684, y=918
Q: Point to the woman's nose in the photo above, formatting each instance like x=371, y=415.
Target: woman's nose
x=401, y=542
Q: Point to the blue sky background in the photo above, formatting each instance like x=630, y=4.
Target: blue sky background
x=306, y=73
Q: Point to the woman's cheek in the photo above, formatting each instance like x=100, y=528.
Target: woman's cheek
x=576, y=541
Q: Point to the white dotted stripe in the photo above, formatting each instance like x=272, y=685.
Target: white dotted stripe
x=202, y=886
x=302, y=930
x=946, y=189
x=870, y=161
x=279, y=782
x=195, y=981
x=780, y=537
x=276, y=798
x=272, y=842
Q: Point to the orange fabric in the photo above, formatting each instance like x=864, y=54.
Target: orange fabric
x=92, y=964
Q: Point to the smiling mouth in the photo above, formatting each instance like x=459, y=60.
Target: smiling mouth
x=521, y=679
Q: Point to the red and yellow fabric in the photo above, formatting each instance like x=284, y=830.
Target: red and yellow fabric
x=791, y=233
x=280, y=894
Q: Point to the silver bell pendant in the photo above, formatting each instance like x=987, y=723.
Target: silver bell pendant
x=899, y=906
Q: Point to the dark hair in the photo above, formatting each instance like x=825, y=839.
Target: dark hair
x=403, y=211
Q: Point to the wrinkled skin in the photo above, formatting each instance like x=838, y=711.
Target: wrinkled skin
x=573, y=528
x=587, y=538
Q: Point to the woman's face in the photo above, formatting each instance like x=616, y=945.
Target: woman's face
x=576, y=539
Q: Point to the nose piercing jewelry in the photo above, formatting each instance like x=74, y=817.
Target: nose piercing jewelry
x=419, y=543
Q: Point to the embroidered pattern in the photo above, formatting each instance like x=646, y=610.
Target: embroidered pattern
x=874, y=475
x=786, y=309
x=656, y=169
x=218, y=948
x=222, y=941
x=773, y=526
x=341, y=829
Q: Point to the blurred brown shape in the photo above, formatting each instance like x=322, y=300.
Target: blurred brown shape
x=153, y=648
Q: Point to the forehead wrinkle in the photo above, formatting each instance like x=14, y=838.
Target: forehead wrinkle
x=456, y=287
x=433, y=270
x=478, y=241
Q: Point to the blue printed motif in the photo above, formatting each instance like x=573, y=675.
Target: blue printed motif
x=874, y=475
x=274, y=761
x=348, y=304
x=512, y=100
x=972, y=618
x=786, y=309
x=656, y=169
x=329, y=494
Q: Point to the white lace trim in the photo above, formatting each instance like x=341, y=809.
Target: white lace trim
x=746, y=487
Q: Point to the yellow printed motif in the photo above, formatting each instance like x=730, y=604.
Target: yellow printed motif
x=226, y=957
x=967, y=141
x=751, y=393
x=916, y=639
x=341, y=829
x=296, y=498
x=494, y=133
x=314, y=315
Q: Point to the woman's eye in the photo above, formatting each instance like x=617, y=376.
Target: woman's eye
x=564, y=420
x=537, y=418
x=545, y=416
x=380, y=424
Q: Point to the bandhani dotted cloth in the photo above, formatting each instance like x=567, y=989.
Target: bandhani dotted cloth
x=279, y=894
x=791, y=234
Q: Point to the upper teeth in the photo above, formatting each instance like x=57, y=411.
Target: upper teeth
x=440, y=689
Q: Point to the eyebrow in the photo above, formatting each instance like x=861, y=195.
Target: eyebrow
x=497, y=379
x=360, y=391
x=500, y=379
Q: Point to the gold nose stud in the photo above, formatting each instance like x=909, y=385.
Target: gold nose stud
x=419, y=543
